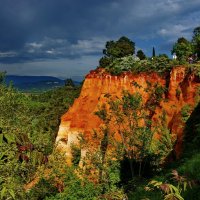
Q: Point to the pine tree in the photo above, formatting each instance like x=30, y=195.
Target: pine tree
x=153, y=52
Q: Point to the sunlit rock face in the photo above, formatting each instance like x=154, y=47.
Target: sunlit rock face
x=182, y=89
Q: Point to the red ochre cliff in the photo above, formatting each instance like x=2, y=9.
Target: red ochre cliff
x=182, y=90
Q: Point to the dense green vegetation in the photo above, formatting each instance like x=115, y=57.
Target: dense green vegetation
x=132, y=64
x=196, y=41
x=117, y=49
x=140, y=54
x=29, y=124
x=183, y=49
x=118, y=56
x=136, y=169
x=28, y=127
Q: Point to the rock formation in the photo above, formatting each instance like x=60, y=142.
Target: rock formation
x=182, y=90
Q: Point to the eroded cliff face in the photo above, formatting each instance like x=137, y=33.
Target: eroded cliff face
x=182, y=89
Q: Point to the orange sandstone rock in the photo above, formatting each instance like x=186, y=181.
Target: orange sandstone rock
x=80, y=118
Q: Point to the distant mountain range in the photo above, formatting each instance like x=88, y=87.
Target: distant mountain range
x=35, y=83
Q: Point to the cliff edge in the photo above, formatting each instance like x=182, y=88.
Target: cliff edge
x=182, y=89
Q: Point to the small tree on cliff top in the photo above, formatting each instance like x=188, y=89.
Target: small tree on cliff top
x=183, y=49
x=140, y=54
x=117, y=49
x=196, y=41
x=153, y=52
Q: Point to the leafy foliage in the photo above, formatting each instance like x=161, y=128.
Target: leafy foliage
x=183, y=49
x=23, y=119
x=196, y=41
x=133, y=124
x=2, y=77
x=185, y=112
x=117, y=49
x=118, y=56
x=122, y=64
x=140, y=54
x=120, y=48
x=171, y=191
x=75, y=188
x=132, y=64
x=69, y=82
x=26, y=117
x=105, y=61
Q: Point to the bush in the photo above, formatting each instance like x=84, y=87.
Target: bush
x=159, y=64
x=191, y=167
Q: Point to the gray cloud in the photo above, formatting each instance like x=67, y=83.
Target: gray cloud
x=56, y=48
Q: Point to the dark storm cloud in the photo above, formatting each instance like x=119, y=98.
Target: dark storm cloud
x=54, y=29
x=50, y=28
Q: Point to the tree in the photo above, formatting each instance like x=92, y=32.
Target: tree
x=140, y=54
x=69, y=82
x=117, y=49
x=196, y=41
x=153, y=52
x=133, y=126
x=105, y=61
x=183, y=49
x=2, y=77
x=23, y=119
x=126, y=47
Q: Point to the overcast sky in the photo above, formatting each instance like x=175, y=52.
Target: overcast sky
x=65, y=38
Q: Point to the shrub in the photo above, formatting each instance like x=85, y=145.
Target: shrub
x=159, y=64
x=185, y=112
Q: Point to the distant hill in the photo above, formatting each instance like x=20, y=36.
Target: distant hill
x=35, y=83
